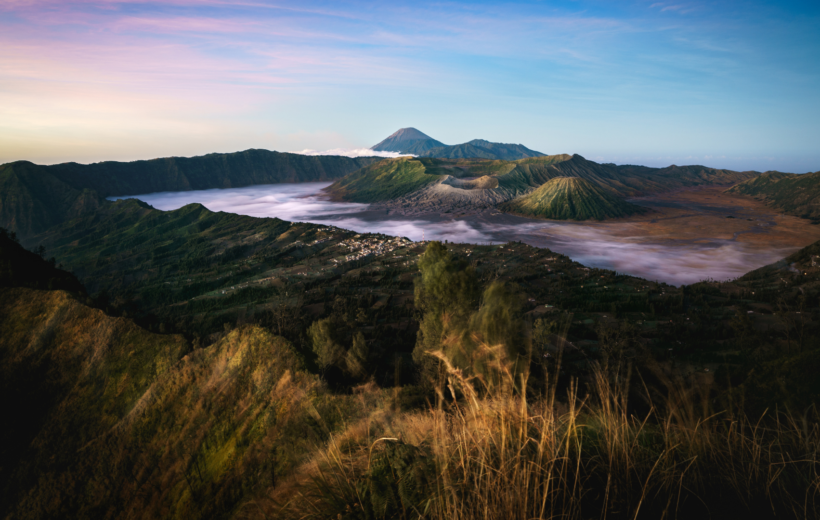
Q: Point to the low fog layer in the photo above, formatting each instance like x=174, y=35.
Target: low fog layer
x=674, y=262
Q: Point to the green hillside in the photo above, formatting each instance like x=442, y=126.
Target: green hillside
x=571, y=198
x=113, y=248
x=797, y=195
x=387, y=180
x=481, y=149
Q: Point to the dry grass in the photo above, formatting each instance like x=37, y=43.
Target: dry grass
x=497, y=455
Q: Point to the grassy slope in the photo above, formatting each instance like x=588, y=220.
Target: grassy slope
x=571, y=198
x=795, y=194
x=129, y=243
x=127, y=424
x=387, y=180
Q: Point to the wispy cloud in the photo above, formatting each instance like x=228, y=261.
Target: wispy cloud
x=354, y=152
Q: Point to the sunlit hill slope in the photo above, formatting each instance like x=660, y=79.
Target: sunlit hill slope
x=571, y=198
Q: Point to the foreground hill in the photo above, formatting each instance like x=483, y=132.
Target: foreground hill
x=797, y=195
x=113, y=421
x=106, y=419
x=571, y=198
x=34, y=197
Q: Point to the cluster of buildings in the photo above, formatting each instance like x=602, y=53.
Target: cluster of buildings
x=362, y=247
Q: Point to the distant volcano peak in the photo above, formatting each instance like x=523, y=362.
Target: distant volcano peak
x=406, y=140
x=408, y=134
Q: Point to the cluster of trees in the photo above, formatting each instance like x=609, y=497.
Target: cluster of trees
x=481, y=333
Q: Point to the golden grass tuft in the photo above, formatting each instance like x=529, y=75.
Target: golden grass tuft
x=499, y=455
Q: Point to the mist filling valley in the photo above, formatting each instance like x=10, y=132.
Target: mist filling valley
x=607, y=245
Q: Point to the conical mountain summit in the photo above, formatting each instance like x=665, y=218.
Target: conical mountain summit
x=406, y=139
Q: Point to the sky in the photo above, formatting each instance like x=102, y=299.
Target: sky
x=727, y=84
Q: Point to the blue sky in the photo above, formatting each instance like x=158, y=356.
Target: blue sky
x=727, y=84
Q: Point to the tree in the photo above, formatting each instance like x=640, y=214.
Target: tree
x=542, y=331
x=446, y=294
x=357, y=356
x=325, y=343
x=485, y=340
x=499, y=347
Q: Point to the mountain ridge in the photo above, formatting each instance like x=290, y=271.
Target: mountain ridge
x=35, y=197
x=423, y=184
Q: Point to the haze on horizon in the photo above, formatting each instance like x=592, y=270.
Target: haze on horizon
x=646, y=82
